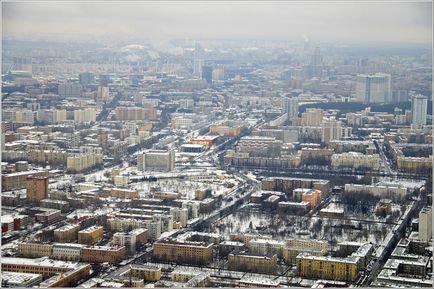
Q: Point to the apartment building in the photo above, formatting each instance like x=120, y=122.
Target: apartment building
x=183, y=252
x=91, y=235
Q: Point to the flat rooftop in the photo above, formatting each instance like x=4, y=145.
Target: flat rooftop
x=41, y=262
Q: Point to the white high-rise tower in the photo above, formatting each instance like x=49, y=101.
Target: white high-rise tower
x=419, y=108
x=198, y=61
x=373, y=88
x=290, y=106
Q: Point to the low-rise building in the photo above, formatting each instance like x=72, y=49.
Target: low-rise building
x=405, y=272
x=414, y=164
x=356, y=160
x=55, y=204
x=287, y=185
x=18, y=180
x=227, y=247
x=224, y=130
x=332, y=211
x=296, y=246
x=16, y=279
x=313, y=197
x=392, y=191
x=142, y=273
x=91, y=235
x=34, y=250
x=294, y=207
x=251, y=282
x=66, y=234
x=321, y=267
x=156, y=160
x=124, y=193
x=183, y=252
x=263, y=247
x=249, y=262
x=67, y=251
x=191, y=278
x=103, y=254
x=65, y=273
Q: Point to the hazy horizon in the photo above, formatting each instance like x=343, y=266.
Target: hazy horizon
x=161, y=22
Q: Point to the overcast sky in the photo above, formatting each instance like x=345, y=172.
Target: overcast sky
x=161, y=21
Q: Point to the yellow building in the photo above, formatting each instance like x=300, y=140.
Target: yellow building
x=309, y=244
x=135, y=113
x=147, y=126
x=90, y=235
x=18, y=180
x=414, y=164
x=82, y=162
x=248, y=262
x=66, y=234
x=320, y=267
x=198, y=253
x=124, y=194
x=24, y=116
x=148, y=273
x=200, y=195
x=356, y=160
x=181, y=122
x=312, y=117
x=52, y=157
x=69, y=271
x=296, y=246
x=103, y=254
x=291, y=253
x=223, y=130
x=85, y=115
x=60, y=115
x=34, y=250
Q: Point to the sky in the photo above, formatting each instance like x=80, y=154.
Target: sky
x=343, y=21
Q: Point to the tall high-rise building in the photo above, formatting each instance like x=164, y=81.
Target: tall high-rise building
x=316, y=64
x=207, y=74
x=419, y=108
x=400, y=95
x=333, y=129
x=312, y=117
x=86, y=78
x=373, y=88
x=198, y=61
x=37, y=188
x=102, y=93
x=104, y=79
x=85, y=115
x=290, y=107
x=22, y=63
x=425, y=224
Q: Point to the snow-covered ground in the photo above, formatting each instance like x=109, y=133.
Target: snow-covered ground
x=300, y=227
x=186, y=188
